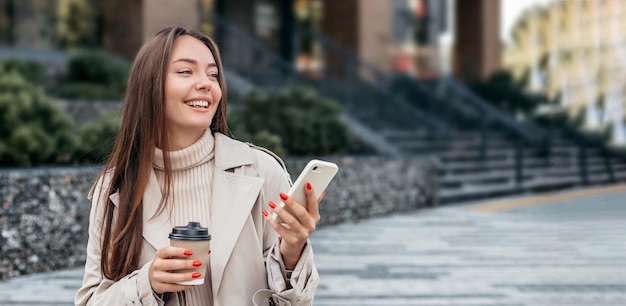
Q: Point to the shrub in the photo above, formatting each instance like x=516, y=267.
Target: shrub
x=97, y=138
x=97, y=73
x=502, y=91
x=305, y=123
x=265, y=139
x=88, y=91
x=32, y=129
x=33, y=72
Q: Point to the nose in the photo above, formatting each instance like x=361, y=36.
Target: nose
x=203, y=83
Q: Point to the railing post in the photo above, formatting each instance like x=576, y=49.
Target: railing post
x=444, y=96
x=582, y=163
x=519, y=162
x=547, y=143
x=349, y=83
x=607, y=164
x=483, y=138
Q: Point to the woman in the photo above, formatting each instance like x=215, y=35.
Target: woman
x=172, y=164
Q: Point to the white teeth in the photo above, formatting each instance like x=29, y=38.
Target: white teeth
x=198, y=103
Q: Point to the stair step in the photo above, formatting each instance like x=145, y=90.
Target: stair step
x=538, y=183
x=490, y=165
x=509, y=188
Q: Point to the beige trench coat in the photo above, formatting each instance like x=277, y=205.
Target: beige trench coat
x=246, y=267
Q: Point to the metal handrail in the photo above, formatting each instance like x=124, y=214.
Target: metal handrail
x=355, y=65
x=321, y=84
x=283, y=64
x=527, y=131
x=530, y=134
x=345, y=52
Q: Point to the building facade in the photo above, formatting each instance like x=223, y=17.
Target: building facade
x=27, y=23
x=394, y=36
x=574, y=52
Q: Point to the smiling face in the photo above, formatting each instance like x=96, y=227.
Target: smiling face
x=192, y=91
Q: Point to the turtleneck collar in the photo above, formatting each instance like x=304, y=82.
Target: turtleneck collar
x=198, y=153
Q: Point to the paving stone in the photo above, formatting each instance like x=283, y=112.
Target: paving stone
x=563, y=254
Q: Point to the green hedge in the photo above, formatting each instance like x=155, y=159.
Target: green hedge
x=295, y=121
x=95, y=75
x=88, y=91
x=32, y=129
x=97, y=138
x=33, y=72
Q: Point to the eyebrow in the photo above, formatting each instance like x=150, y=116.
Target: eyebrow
x=192, y=61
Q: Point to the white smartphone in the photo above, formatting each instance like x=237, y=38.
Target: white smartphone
x=319, y=173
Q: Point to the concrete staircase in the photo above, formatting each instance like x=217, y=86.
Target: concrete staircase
x=466, y=176
x=440, y=118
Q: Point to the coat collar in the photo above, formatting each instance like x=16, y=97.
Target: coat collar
x=230, y=153
x=233, y=196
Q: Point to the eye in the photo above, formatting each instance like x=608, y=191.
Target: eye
x=213, y=75
x=184, y=71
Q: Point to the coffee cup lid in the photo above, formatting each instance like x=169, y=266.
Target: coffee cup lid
x=193, y=231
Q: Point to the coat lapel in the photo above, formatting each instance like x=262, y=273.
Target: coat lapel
x=232, y=200
x=155, y=230
x=233, y=196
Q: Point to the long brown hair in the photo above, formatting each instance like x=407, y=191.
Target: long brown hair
x=142, y=129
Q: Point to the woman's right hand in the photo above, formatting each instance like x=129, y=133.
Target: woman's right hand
x=163, y=270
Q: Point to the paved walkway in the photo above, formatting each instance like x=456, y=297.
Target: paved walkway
x=569, y=250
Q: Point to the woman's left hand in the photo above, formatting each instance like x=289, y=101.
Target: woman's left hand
x=297, y=226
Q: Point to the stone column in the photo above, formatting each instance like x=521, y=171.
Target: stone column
x=341, y=24
x=478, y=47
x=123, y=27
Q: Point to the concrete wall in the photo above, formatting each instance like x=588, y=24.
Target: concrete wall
x=84, y=111
x=32, y=23
x=375, y=33
x=158, y=14
x=44, y=213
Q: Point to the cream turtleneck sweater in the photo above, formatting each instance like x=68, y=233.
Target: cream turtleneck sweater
x=190, y=196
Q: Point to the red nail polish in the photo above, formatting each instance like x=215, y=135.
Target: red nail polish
x=196, y=275
x=272, y=205
x=197, y=263
x=209, y=251
x=188, y=253
x=308, y=186
x=265, y=213
x=283, y=196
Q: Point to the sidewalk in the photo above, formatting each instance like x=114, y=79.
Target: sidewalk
x=571, y=252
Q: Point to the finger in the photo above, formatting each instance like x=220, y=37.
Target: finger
x=164, y=281
x=170, y=265
x=296, y=225
x=312, y=202
x=300, y=213
x=279, y=228
x=173, y=252
x=163, y=270
x=291, y=233
x=284, y=214
x=321, y=197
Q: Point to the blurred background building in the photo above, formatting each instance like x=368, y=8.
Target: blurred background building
x=472, y=81
x=574, y=52
x=393, y=35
